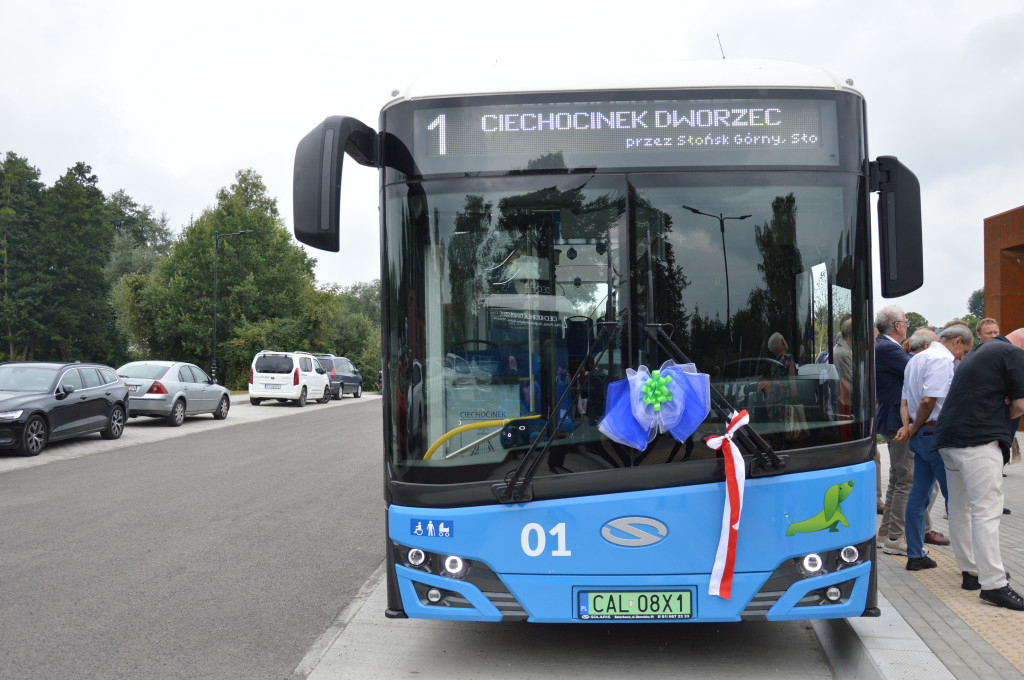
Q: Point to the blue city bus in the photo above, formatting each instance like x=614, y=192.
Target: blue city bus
x=589, y=277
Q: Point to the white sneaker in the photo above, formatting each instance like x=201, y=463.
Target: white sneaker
x=895, y=546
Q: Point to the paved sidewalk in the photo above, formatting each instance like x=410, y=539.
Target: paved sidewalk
x=972, y=639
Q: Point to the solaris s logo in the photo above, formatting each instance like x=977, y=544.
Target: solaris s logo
x=639, y=531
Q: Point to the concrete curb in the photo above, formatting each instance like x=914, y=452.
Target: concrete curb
x=882, y=648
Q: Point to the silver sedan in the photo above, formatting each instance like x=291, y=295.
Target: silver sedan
x=172, y=390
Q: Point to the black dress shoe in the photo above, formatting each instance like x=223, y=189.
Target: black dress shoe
x=919, y=563
x=1006, y=511
x=1004, y=597
x=971, y=581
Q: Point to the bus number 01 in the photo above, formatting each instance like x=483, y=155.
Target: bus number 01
x=534, y=541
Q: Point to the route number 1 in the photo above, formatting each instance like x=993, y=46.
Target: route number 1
x=439, y=125
x=533, y=540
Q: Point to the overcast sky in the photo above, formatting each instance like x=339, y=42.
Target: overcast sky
x=168, y=101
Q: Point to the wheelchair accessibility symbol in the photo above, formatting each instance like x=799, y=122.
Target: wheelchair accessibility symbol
x=432, y=528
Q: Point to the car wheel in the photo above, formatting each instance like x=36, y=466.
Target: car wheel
x=177, y=415
x=254, y=401
x=115, y=423
x=301, y=401
x=222, y=408
x=327, y=396
x=359, y=391
x=33, y=437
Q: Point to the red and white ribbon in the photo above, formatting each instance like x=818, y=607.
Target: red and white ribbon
x=735, y=476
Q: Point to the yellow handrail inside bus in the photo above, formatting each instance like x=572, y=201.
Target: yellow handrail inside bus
x=470, y=426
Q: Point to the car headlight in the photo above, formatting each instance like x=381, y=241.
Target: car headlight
x=10, y=415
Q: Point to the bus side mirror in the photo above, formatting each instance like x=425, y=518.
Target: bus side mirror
x=316, y=183
x=899, y=226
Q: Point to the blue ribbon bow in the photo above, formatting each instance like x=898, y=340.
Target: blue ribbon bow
x=674, y=399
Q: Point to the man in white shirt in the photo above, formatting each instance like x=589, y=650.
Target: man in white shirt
x=926, y=381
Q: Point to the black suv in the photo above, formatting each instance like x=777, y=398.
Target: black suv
x=344, y=376
x=42, y=402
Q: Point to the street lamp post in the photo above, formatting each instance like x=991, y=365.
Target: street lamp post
x=216, y=251
x=725, y=258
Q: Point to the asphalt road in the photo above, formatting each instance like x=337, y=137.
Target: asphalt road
x=223, y=552
x=250, y=548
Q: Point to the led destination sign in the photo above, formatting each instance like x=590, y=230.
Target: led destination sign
x=657, y=133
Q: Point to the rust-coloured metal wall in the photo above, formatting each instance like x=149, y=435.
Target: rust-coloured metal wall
x=1004, y=269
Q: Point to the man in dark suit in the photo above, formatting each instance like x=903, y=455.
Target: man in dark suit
x=890, y=362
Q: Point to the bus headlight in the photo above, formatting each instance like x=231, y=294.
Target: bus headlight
x=811, y=563
x=849, y=554
x=416, y=557
x=455, y=566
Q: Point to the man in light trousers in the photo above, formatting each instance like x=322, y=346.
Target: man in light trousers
x=973, y=437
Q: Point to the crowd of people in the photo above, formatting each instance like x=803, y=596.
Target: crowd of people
x=949, y=411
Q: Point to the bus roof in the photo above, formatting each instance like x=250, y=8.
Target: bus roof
x=658, y=75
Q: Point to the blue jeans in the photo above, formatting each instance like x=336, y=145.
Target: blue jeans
x=928, y=468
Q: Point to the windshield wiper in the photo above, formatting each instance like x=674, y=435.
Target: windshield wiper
x=748, y=438
x=517, y=487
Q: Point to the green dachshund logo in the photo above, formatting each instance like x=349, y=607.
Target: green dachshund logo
x=830, y=517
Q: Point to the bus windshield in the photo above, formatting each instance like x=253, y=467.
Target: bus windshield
x=501, y=288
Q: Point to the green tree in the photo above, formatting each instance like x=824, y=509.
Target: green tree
x=915, y=321
x=976, y=303
x=358, y=338
x=20, y=196
x=265, y=288
x=972, y=322
x=74, y=319
x=136, y=222
x=140, y=240
x=363, y=298
x=345, y=321
x=133, y=317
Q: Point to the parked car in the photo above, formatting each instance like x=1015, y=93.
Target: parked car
x=327, y=361
x=287, y=376
x=343, y=375
x=41, y=402
x=173, y=390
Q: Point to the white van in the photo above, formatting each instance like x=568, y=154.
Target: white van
x=288, y=376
